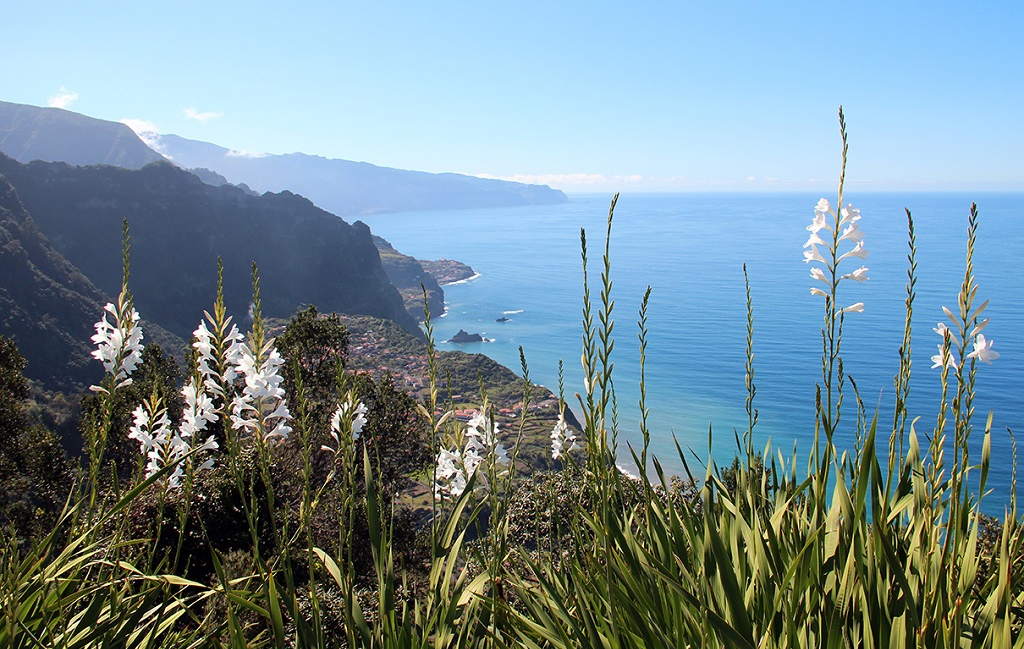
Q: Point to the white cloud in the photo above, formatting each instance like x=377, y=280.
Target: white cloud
x=140, y=126
x=147, y=132
x=63, y=99
x=202, y=118
x=751, y=179
x=245, y=154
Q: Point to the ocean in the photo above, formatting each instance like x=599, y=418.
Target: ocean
x=690, y=249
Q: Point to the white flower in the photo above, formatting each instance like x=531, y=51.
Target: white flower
x=944, y=358
x=849, y=214
x=827, y=271
x=854, y=308
x=480, y=430
x=350, y=415
x=481, y=447
x=162, y=446
x=214, y=353
x=813, y=255
x=260, y=410
x=359, y=420
x=562, y=435
x=859, y=275
x=472, y=459
x=983, y=350
x=982, y=346
x=819, y=274
x=118, y=345
x=858, y=251
x=500, y=454
x=451, y=475
x=815, y=240
x=199, y=411
x=852, y=233
x=140, y=429
x=153, y=432
x=819, y=222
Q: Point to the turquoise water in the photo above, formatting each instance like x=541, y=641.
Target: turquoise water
x=690, y=248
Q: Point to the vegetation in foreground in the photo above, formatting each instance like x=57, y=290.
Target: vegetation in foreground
x=262, y=510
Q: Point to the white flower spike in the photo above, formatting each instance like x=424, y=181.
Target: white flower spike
x=825, y=220
x=118, y=345
x=562, y=436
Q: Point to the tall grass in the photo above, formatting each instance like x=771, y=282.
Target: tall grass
x=864, y=547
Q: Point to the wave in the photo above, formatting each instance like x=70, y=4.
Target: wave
x=464, y=281
x=512, y=312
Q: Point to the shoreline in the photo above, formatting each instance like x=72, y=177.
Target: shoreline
x=459, y=281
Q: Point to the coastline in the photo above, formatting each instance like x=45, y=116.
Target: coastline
x=460, y=281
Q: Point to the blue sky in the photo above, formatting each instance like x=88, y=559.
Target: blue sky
x=586, y=96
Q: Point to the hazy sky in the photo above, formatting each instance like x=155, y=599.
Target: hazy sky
x=581, y=95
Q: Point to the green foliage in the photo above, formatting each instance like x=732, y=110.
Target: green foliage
x=316, y=347
x=462, y=374
x=396, y=436
x=730, y=477
x=35, y=475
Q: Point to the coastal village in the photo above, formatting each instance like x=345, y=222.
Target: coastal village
x=380, y=347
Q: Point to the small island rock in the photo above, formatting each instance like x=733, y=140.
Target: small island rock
x=465, y=337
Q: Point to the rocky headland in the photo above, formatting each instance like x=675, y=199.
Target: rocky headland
x=448, y=271
x=412, y=276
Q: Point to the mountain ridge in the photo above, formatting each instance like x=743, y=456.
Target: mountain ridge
x=30, y=133
x=181, y=226
x=350, y=188
x=341, y=187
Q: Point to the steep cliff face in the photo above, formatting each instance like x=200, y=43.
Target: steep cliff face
x=180, y=226
x=46, y=305
x=411, y=279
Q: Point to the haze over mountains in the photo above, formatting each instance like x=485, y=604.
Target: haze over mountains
x=342, y=187
x=349, y=188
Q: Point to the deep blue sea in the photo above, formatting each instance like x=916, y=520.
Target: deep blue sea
x=690, y=248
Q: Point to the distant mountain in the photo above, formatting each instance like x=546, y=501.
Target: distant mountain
x=179, y=227
x=213, y=178
x=31, y=133
x=342, y=187
x=351, y=188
